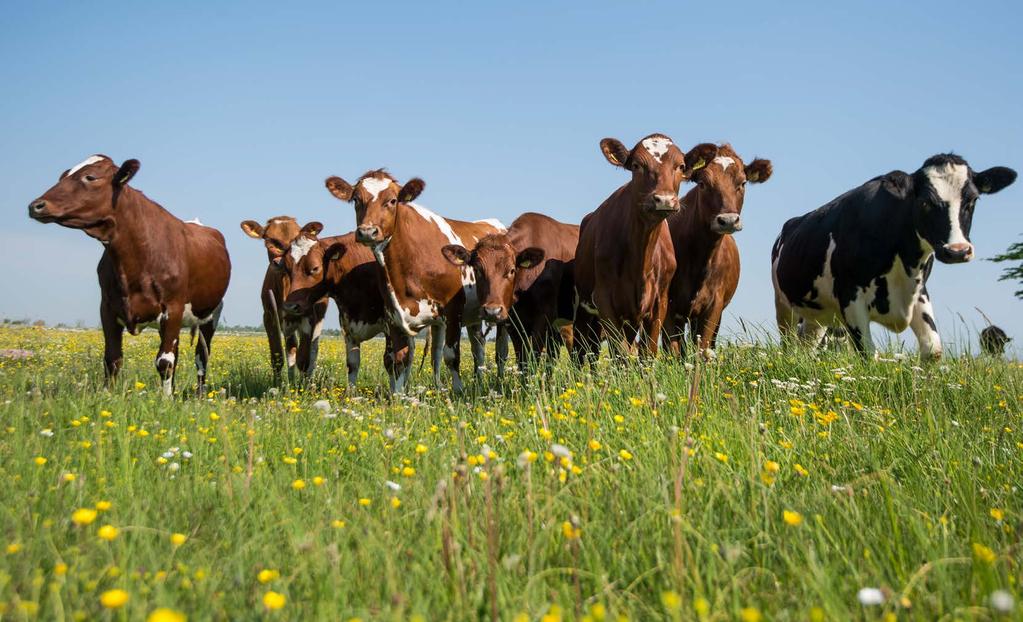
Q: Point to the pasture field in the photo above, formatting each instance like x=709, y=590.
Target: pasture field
x=776, y=487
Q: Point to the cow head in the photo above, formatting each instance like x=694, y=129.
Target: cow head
x=721, y=187
x=306, y=263
x=85, y=196
x=277, y=235
x=658, y=168
x=943, y=194
x=376, y=196
x=495, y=263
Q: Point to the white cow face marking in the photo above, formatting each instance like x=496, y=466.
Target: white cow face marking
x=724, y=161
x=657, y=146
x=86, y=162
x=301, y=247
x=948, y=211
x=375, y=185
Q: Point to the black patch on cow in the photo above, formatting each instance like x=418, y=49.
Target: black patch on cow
x=929, y=321
x=881, y=296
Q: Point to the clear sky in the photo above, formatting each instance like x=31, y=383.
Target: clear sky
x=241, y=111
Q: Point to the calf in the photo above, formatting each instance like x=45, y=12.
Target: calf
x=301, y=332
x=525, y=276
x=155, y=270
x=423, y=288
x=346, y=271
x=707, y=257
x=866, y=255
x=625, y=259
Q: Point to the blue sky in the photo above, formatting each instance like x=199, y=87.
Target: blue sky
x=240, y=111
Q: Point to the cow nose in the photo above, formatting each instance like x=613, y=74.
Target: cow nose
x=728, y=223
x=292, y=307
x=960, y=251
x=368, y=233
x=37, y=207
x=493, y=311
x=665, y=202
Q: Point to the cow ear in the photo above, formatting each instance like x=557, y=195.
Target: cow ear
x=530, y=257
x=126, y=172
x=700, y=156
x=899, y=184
x=758, y=171
x=312, y=229
x=334, y=251
x=252, y=229
x=614, y=151
x=456, y=254
x=994, y=179
x=340, y=188
x=411, y=190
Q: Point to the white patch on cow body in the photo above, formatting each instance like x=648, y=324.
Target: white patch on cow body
x=493, y=222
x=724, y=162
x=411, y=323
x=194, y=221
x=904, y=287
x=188, y=319
x=361, y=331
x=301, y=247
x=166, y=356
x=168, y=386
x=948, y=181
x=86, y=162
x=438, y=221
x=375, y=185
x=657, y=146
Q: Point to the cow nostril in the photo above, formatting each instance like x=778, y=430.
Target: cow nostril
x=38, y=206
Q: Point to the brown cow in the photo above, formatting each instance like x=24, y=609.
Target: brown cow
x=521, y=277
x=625, y=260
x=343, y=269
x=155, y=269
x=301, y=333
x=423, y=288
x=707, y=257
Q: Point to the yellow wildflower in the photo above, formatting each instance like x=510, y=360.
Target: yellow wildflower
x=83, y=516
x=272, y=600
x=114, y=599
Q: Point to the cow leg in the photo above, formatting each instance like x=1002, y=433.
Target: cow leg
x=113, y=340
x=273, y=337
x=926, y=331
x=353, y=357
x=674, y=333
x=708, y=324
x=314, y=346
x=437, y=332
x=202, y=350
x=166, y=358
x=479, y=345
x=452, y=349
x=521, y=354
x=588, y=333
x=788, y=321
x=501, y=349
x=304, y=350
x=291, y=349
x=399, y=353
x=857, y=322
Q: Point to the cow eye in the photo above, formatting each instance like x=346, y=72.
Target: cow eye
x=90, y=178
x=314, y=270
x=392, y=202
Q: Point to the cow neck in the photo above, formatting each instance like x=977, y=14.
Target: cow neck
x=396, y=252
x=696, y=238
x=642, y=235
x=138, y=222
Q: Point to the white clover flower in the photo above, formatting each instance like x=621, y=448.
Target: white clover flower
x=870, y=596
x=173, y=466
x=186, y=454
x=47, y=432
x=393, y=485
x=1002, y=601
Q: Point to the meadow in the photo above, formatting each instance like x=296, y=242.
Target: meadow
x=768, y=484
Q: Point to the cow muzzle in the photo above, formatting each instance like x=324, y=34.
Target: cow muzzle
x=293, y=308
x=663, y=204
x=37, y=210
x=960, y=252
x=727, y=223
x=367, y=234
x=494, y=313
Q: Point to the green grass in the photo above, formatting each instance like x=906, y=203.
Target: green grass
x=905, y=479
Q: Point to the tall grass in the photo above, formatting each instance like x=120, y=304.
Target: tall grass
x=767, y=484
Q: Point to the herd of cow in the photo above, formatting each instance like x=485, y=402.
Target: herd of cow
x=640, y=269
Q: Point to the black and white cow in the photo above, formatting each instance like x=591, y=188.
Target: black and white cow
x=865, y=256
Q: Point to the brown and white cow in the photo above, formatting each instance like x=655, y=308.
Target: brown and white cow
x=524, y=277
x=343, y=269
x=707, y=256
x=423, y=288
x=625, y=259
x=155, y=269
x=301, y=332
